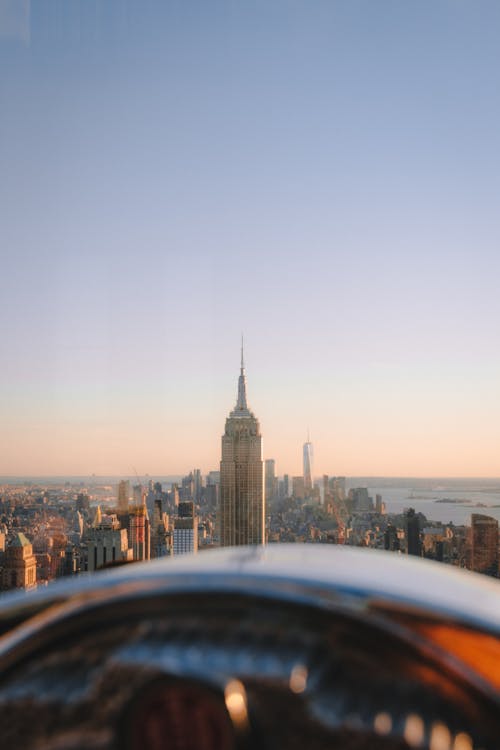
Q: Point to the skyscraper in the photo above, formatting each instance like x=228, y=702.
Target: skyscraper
x=484, y=544
x=270, y=479
x=186, y=530
x=308, y=467
x=242, y=503
x=413, y=533
x=123, y=496
x=139, y=532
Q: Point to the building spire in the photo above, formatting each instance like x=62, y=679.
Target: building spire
x=241, y=404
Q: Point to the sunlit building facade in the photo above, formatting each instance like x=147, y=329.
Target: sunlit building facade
x=19, y=570
x=139, y=533
x=123, y=496
x=242, y=500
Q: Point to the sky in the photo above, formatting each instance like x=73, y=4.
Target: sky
x=322, y=176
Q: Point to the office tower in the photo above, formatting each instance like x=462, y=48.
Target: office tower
x=106, y=543
x=198, y=485
x=212, y=490
x=326, y=490
x=123, y=496
x=151, y=496
x=187, y=487
x=286, y=485
x=139, y=532
x=78, y=525
x=484, y=544
x=19, y=568
x=378, y=503
x=413, y=533
x=160, y=534
x=391, y=541
x=186, y=530
x=173, y=496
x=361, y=502
x=337, y=487
x=298, y=488
x=138, y=494
x=270, y=479
x=242, y=503
x=308, y=467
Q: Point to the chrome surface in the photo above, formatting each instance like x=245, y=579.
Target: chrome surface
x=311, y=635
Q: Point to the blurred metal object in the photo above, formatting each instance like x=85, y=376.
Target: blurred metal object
x=300, y=642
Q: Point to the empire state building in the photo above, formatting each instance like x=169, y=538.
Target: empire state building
x=242, y=504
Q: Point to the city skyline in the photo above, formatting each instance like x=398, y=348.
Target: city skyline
x=324, y=177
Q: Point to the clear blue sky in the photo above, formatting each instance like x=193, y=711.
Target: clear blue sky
x=324, y=176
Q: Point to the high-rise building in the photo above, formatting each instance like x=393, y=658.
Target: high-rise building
x=484, y=544
x=308, y=467
x=160, y=534
x=242, y=502
x=212, y=490
x=270, y=479
x=187, y=487
x=413, y=533
x=361, y=502
x=123, y=496
x=198, y=485
x=287, y=489
x=107, y=543
x=337, y=487
x=391, y=540
x=298, y=488
x=138, y=494
x=19, y=569
x=173, y=496
x=139, y=533
x=186, y=530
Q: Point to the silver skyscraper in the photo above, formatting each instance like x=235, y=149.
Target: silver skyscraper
x=308, y=466
x=242, y=503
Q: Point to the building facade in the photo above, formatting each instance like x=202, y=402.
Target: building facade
x=19, y=570
x=107, y=543
x=307, y=456
x=123, y=496
x=242, y=497
x=139, y=533
x=484, y=544
x=186, y=530
x=270, y=479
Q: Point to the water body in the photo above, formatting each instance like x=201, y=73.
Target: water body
x=430, y=496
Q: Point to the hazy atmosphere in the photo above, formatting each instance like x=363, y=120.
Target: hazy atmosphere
x=323, y=177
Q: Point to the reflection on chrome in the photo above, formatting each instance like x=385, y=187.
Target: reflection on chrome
x=236, y=703
x=462, y=742
x=298, y=679
x=414, y=730
x=382, y=723
x=440, y=738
